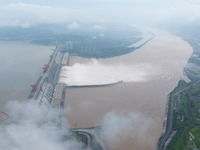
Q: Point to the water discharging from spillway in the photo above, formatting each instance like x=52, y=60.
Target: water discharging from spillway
x=132, y=112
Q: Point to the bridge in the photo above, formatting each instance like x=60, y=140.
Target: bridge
x=94, y=139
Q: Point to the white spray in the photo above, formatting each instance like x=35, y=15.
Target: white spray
x=94, y=73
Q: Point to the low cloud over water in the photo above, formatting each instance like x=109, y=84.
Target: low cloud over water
x=31, y=128
x=133, y=127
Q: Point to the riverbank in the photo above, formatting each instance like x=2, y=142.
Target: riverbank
x=184, y=113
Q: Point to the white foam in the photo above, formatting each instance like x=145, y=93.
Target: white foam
x=94, y=73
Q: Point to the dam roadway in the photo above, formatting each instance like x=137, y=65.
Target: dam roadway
x=93, y=132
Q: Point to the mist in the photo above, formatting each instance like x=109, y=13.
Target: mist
x=113, y=12
x=119, y=128
x=30, y=127
x=95, y=72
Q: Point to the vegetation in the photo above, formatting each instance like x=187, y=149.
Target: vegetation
x=76, y=137
x=80, y=137
x=187, y=105
x=88, y=43
x=110, y=45
x=186, y=118
x=102, y=48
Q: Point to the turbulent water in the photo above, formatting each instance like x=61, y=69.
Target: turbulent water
x=97, y=72
x=21, y=65
x=132, y=112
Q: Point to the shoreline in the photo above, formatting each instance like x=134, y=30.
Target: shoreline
x=169, y=115
x=136, y=45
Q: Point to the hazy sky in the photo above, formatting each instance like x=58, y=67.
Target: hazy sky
x=31, y=12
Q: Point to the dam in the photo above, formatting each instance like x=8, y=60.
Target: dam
x=49, y=89
x=43, y=89
x=50, y=92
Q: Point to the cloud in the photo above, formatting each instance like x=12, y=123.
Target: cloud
x=101, y=35
x=94, y=37
x=119, y=127
x=32, y=128
x=188, y=11
x=74, y=26
x=129, y=12
x=98, y=27
x=25, y=15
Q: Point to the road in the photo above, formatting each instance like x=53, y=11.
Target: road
x=95, y=135
x=166, y=135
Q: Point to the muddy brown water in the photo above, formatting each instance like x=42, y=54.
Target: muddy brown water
x=21, y=65
x=132, y=112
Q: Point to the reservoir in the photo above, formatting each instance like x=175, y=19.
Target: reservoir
x=131, y=112
x=21, y=65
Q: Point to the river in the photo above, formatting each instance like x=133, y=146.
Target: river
x=21, y=65
x=132, y=112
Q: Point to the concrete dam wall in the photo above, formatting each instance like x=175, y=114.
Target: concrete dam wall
x=46, y=83
x=48, y=92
